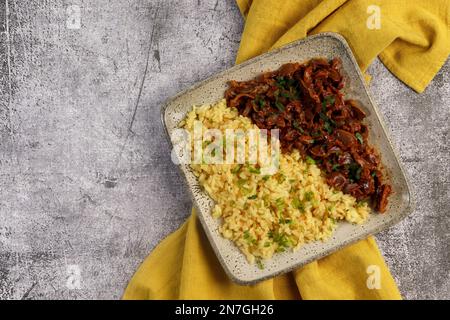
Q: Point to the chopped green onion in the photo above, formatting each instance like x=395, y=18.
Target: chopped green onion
x=280, y=81
x=297, y=204
x=361, y=203
x=254, y=170
x=328, y=128
x=358, y=173
x=359, y=137
x=259, y=264
x=265, y=178
x=309, y=195
x=324, y=117
x=236, y=169
x=206, y=143
x=281, y=239
x=241, y=182
x=335, y=167
x=249, y=238
x=259, y=101
x=253, y=197
x=296, y=126
x=279, y=106
x=285, y=94
x=310, y=160
x=279, y=204
x=331, y=99
x=328, y=100
x=354, y=171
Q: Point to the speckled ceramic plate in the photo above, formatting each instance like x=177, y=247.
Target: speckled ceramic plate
x=327, y=45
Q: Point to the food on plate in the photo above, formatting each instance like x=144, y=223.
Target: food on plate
x=265, y=214
x=304, y=101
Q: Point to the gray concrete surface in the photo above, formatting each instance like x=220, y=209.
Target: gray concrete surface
x=86, y=182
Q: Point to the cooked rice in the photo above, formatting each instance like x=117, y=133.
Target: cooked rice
x=268, y=214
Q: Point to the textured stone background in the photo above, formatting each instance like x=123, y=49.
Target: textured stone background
x=85, y=174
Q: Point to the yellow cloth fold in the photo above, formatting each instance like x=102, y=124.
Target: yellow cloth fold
x=413, y=42
x=183, y=266
x=412, y=38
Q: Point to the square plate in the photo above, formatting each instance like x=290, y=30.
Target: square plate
x=327, y=45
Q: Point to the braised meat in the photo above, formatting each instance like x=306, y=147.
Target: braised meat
x=304, y=101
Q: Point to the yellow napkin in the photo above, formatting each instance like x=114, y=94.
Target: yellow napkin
x=183, y=266
x=411, y=37
x=413, y=42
